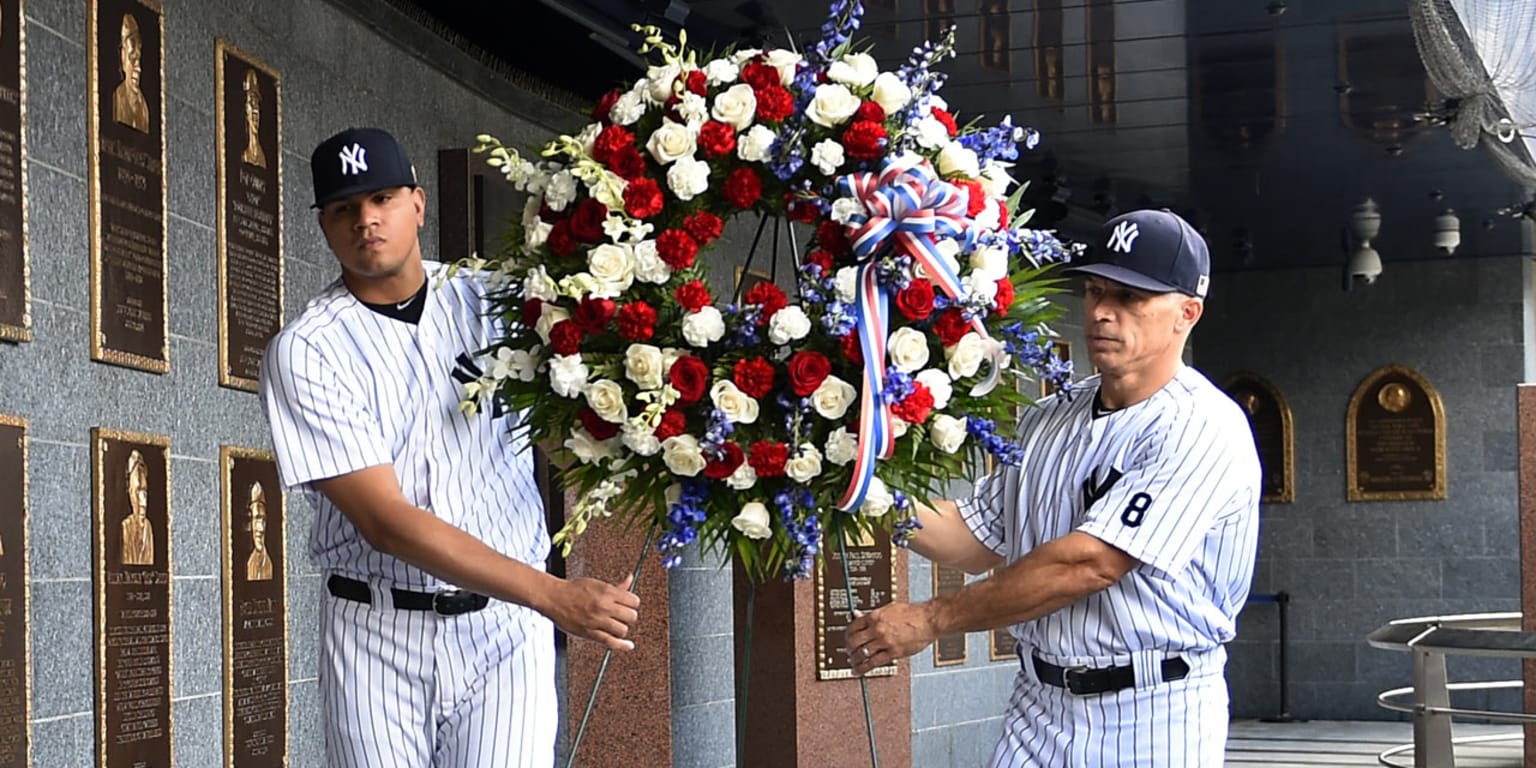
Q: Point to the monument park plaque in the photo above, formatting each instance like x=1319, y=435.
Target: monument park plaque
x=255, y=611
x=870, y=572
x=15, y=274
x=15, y=677
x=949, y=649
x=1395, y=438
x=1269, y=416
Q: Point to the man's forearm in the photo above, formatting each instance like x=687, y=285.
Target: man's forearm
x=1052, y=576
x=946, y=539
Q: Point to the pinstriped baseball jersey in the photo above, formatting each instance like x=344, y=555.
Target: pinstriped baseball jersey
x=346, y=388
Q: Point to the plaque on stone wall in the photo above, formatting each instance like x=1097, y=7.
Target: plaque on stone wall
x=996, y=36
x=248, y=114
x=870, y=570
x=129, y=323
x=255, y=611
x=1102, y=69
x=1395, y=438
x=15, y=272
x=15, y=677
x=1050, y=74
x=949, y=649
x=131, y=502
x=1269, y=416
x=1001, y=645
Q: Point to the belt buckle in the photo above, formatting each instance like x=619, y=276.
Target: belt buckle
x=448, y=602
x=1070, y=677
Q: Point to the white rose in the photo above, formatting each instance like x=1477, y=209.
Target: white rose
x=613, y=265
x=832, y=105
x=899, y=427
x=628, y=109
x=980, y=287
x=989, y=218
x=931, y=134
x=536, y=235
x=949, y=250
x=640, y=439
x=721, y=71
x=659, y=81
x=649, y=268
x=682, y=455
x=671, y=141
x=549, y=314
x=704, y=327
x=995, y=179
x=877, y=499
x=589, y=450
x=567, y=375
x=966, y=356
x=842, y=446
x=738, y=406
x=956, y=160
x=785, y=62
x=845, y=208
x=947, y=433
x=846, y=282
x=827, y=156
x=907, y=350
x=990, y=262
x=788, y=324
x=891, y=93
x=743, y=478
x=833, y=397
x=752, y=521
x=804, y=465
x=642, y=365
x=735, y=107
x=753, y=145
x=688, y=177
x=938, y=385
x=693, y=109
x=855, y=69
x=606, y=398
x=744, y=55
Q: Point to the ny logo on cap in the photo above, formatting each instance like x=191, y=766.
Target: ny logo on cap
x=1124, y=236
x=354, y=160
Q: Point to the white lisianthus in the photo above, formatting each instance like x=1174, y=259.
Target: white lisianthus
x=628, y=109
x=671, y=141
x=842, y=446
x=907, y=350
x=688, y=177
x=938, y=385
x=743, y=478
x=833, y=397
x=721, y=71
x=549, y=314
x=753, y=145
x=738, y=406
x=649, y=268
x=752, y=521
x=539, y=285
x=965, y=357
x=846, y=283
x=845, y=208
x=682, y=455
x=990, y=262
x=890, y=92
x=995, y=179
x=855, y=69
x=704, y=327
x=785, y=61
x=517, y=364
x=579, y=285
x=642, y=365
x=736, y=106
x=947, y=433
x=659, y=82
x=827, y=156
x=805, y=465
x=832, y=105
x=957, y=160
x=560, y=191
x=567, y=375
x=877, y=499
x=612, y=265
x=639, y=438
x=536, y=235
x=980, y=287
x=606, y=398
x=693, y=109
x=589, y=450
x=931, y=134
x=788, y=324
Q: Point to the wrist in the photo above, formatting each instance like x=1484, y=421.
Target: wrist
x=543, y=591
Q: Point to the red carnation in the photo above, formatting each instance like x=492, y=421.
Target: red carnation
x=560, y=242
x=807, y=370
x=916, y=406
x=532, y=309
x=696, y=82
x=770, y=297
x=565, y=337
x=672, y=424
x=743, y=187
x=948, y=120
x=587, y=221
x=851, y=348
x=676, y=248
x=977, y=196
x=726, y=465
x=605, y=105
x=950, y=326
x=613, y=139
x=642, y=198
x=831, y=236
x=1002, y=213
x=703, y=227
x=627, y=163
x=753, y=376
x=760, y=75
x=803, y=211
x=768, y=457
x=869, y=110
x=592, y=315
x=717, y=139
x=821, y=259
x=864, y=140
x=693, y=296
x=1004, y=297
x=637, y=321
x=690, y=377
x=599, y=428
x=915, y=302
x=774, y=103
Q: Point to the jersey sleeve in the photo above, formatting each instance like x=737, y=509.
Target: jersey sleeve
x=320, y=427
x=1181, y=480
x=985, y=510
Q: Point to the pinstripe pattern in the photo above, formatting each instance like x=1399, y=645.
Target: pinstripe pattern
x=1185, y=505
x=346, y=388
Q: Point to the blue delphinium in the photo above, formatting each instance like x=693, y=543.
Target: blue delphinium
x=804, y=534
x=682, y=526
x=984, y=431
x=907, y=527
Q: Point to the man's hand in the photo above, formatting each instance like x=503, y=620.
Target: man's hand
x=595, y=610
x=890, y=632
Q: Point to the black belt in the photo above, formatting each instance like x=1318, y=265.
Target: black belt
x=445, y=602
x=1085, y=681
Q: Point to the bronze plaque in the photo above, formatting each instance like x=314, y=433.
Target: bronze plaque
x=250, y=213
x=996, y=36
x=132, y=506
x=1395, y=438
x=870, y=570
x=1050, y=73
x=15, y=273
x=948, y=649
x=1269, y=416
x=1003, y=645
x=129, y=323
x=1102, y=88
x=255, y=611
x=15, y=679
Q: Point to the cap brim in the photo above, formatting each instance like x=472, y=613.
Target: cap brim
x=1122, y=275
x=356, y=189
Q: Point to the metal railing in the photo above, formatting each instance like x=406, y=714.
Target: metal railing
x=1430, y=639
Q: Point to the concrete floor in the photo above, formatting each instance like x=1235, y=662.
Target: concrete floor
x=1329, y=742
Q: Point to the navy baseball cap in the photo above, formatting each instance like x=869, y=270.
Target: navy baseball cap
x=359, y=160
x=1151, y=250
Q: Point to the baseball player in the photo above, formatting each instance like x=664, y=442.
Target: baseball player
x=437, y=648
x=1126, y=538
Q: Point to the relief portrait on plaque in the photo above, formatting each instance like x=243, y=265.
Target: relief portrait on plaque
x=258, y=567
x=1269, y=417
x=128, y=104
x=138, y=533
x=255, y=610
x=253, y=154
x=996, y=36
x=1101, y=61
x=15, y=271
x=1395, y=438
